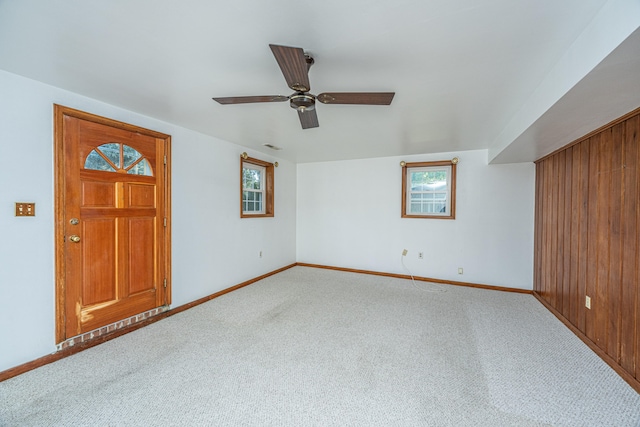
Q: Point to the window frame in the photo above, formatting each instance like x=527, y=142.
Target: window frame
x=267, y=192
x=451, y=183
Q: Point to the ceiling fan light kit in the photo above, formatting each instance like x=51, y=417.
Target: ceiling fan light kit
x=295, y=64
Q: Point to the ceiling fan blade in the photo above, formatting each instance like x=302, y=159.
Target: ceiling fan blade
x=366, y=98
x=250, y=99
x=308, y=119
x=294, y=66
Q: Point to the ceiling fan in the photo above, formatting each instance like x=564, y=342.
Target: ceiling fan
x=295, y=65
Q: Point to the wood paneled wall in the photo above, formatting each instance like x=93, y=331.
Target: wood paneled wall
x=587, y=237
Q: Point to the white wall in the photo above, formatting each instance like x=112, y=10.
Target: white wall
x=349, y=216
x=213, y=248
x=614, y=23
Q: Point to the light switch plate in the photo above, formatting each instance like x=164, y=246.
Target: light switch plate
x=25, y=209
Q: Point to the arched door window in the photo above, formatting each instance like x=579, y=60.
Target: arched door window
x=117, y=157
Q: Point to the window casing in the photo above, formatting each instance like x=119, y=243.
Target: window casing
x=429, y=190
x=256, y=188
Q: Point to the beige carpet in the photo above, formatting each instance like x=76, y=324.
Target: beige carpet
x=311, y=347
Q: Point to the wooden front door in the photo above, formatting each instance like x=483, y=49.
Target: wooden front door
x=112, y=209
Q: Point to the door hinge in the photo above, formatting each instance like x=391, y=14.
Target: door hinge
x=165, y=283
x=165, y=221
x=165, y=159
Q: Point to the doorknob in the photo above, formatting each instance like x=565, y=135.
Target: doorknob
x=74, y=238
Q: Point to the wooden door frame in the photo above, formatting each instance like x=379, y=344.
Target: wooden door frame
x=60, y=112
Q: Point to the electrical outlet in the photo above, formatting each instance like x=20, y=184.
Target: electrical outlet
x=420, y=255
x=404, y=252
x=459, y=270
x=587, y=302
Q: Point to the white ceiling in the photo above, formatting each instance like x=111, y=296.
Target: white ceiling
x=468, y=74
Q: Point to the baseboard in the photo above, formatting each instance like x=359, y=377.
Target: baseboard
x=634, y=383
x=226, y=291
x=421, y=279
x=68, y=351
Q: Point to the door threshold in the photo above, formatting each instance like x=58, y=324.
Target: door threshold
x=120, y=324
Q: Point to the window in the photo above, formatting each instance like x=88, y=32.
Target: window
x=253, y=189
x=256, y=183
x=117, y=157
x=429, y=190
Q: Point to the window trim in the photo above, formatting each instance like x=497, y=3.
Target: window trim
x=268, y=188
x=406, y=169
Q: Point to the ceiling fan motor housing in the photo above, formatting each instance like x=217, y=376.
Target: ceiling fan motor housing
x=302, y=101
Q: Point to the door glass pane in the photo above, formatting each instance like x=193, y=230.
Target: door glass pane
x=96, y=162
x=130, y=156
x=112, y=152
x=141, y=168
